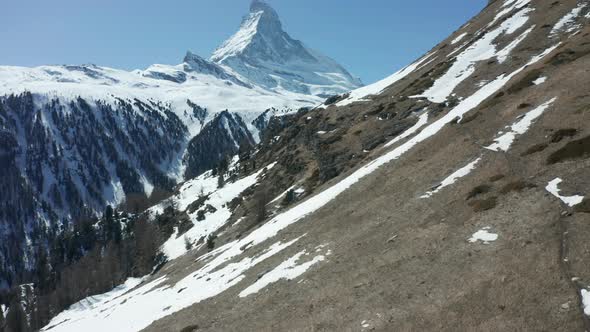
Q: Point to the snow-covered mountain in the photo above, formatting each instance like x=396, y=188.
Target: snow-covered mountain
x=75, y=138
x=200, y=81
x=266, y=55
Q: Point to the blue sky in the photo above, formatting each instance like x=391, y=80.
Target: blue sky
x=371, y=38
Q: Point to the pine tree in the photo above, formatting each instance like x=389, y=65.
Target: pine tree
x=289, y=198
x=43, y=270
x=188, y=245
x=2, y=321
x=108, y=224
x=260, y=201
x=16, y=320
x=146, y=246
x=211, y=242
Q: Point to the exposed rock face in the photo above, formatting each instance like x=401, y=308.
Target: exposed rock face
x=271, y=115
x=194, y=63
x=266, y=55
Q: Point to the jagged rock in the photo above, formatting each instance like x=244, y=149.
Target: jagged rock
x=261, y=51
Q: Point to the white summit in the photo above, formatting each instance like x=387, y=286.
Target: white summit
x=263, y=53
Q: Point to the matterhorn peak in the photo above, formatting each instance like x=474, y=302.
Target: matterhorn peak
x=266, y=18
x=259, y=5
x=265, y=54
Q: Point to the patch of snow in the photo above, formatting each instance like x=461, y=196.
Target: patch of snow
x=361, y=94
x=540, y=80
x=566, y=23
x=571, y=201
x=239, y=41
x=504, y=142
x=424, y=64
x=483, y=235
x=205, y=90
x=365, y=324
x=456, y=50
x=96, y=300
x=422, y=121
x=136, y=309
x=287, y=270
x=464, y=65
x=462, y=172
x=298, y=192
x=218, y=198
x=459, y=38
x=506, y=51
x=79, y=310
x=281, y=195
x=482, y=83
x=507, y=8
x=148, y=187
x=586, y=301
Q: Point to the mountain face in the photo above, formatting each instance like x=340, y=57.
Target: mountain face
x=452, y=195
x=266, y=55
x=225, y=135
x=194, y=63
x=64, y=161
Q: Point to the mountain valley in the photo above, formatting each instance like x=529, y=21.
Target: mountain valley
x=267, y=189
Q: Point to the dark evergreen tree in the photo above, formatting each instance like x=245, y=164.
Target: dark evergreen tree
x=44, y=277
x=188, y=245
x=2, y=321
x=16, y=320
x=289, y=198
x=211, y=242
x=260, y=201
x=108, y=224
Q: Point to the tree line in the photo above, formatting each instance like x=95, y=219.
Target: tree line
x=92, y=257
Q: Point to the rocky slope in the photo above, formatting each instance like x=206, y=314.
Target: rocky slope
x=452, y=195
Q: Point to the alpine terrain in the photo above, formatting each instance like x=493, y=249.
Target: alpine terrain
x=267, y=189
x=75, y=139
